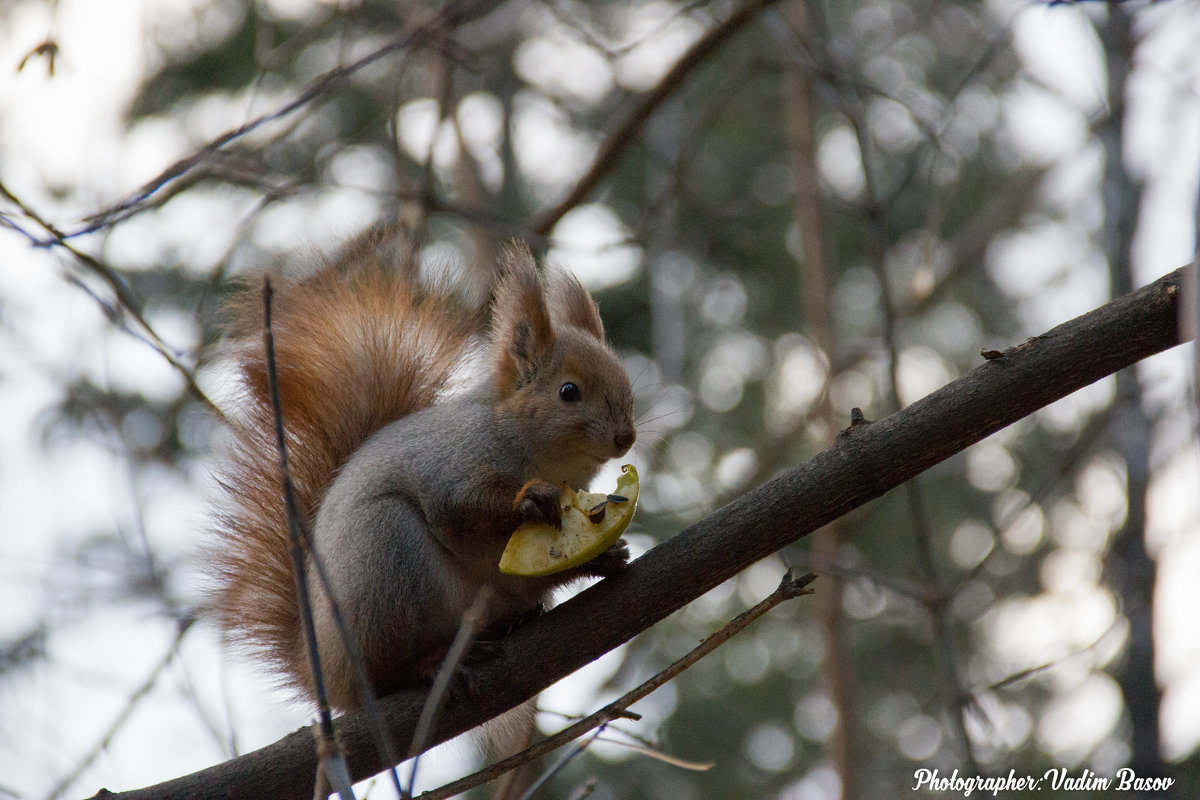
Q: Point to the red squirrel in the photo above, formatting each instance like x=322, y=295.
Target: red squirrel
x=412, y=485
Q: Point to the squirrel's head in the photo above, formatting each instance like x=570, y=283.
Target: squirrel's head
x=554, y=373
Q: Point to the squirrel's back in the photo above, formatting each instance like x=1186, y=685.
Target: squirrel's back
x=357, y=346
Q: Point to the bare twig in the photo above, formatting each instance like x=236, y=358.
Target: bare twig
x=115, y=726
x=301, y=544
x=788, y=588
x=467, y=628
x=559, y=765
x=1129, y=570
x=1029, y=672
x=126, y=300
x=366, y=692
x=620, y=137
x=416, y=34
x=331, y=760
x=688, y=143
x=1084, y=442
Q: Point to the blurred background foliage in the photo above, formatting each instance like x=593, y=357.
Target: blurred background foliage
x=837, y=207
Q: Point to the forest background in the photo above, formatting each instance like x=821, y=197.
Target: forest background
x=785, y=209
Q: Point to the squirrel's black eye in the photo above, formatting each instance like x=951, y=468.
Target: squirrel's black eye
x=568, y=392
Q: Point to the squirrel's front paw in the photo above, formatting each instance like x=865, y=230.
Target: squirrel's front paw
x=539, y=501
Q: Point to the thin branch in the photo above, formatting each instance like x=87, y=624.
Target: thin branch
x=1129, y=571
x=865, y=462
x=788, y=589
x=301, y=544
x=559, y=765
x=1029, y=672
x=119, y=722
x=613, y=146
x=467, y=628
x=1084, y=442
x=331, y=758
x=968, y=245
x=366, y=692
x=126, y=300
x=693, y=134
x=908, y=590
x=416, y=34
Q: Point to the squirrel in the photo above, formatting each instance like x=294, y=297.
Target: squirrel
x=411, y=484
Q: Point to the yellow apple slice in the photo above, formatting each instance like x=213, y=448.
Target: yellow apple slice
x=591, y=523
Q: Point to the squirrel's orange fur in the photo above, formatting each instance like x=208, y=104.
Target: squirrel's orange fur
x=335, y=333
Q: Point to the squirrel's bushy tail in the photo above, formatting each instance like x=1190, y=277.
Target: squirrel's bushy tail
x=357, y=347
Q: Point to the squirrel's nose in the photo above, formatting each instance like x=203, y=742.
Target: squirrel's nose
x=624, y=438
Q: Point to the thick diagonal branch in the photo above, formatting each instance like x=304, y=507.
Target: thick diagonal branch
x=866, y=461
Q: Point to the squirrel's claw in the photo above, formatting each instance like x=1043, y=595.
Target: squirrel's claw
x=538, y=501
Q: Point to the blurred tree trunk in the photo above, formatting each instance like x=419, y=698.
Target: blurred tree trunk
x=1129, y=569
x=814, y=282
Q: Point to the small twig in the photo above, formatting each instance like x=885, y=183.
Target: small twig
x=639, y=746
x=106, y=738
x=471, y=620
x=125, y=298
x=562, y=762
x=1029, y=672
x=332, y=762
x=333, y=775
x=383, y=740
x=686, y=151
x=788, y=588
x=366, y=692
x=623, y=134
x=1084, y=442
x=47, y=49
x=446, y=17
x=911, y=591
x=584, y=790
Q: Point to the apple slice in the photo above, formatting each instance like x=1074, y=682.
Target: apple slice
x=591, y=523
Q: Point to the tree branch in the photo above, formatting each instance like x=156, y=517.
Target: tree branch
x=414, y=34
x=613, y=146
x=865, y=461
x=788, y=589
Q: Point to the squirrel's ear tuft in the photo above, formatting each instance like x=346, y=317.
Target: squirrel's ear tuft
x=571, y=304
x=521, y=337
